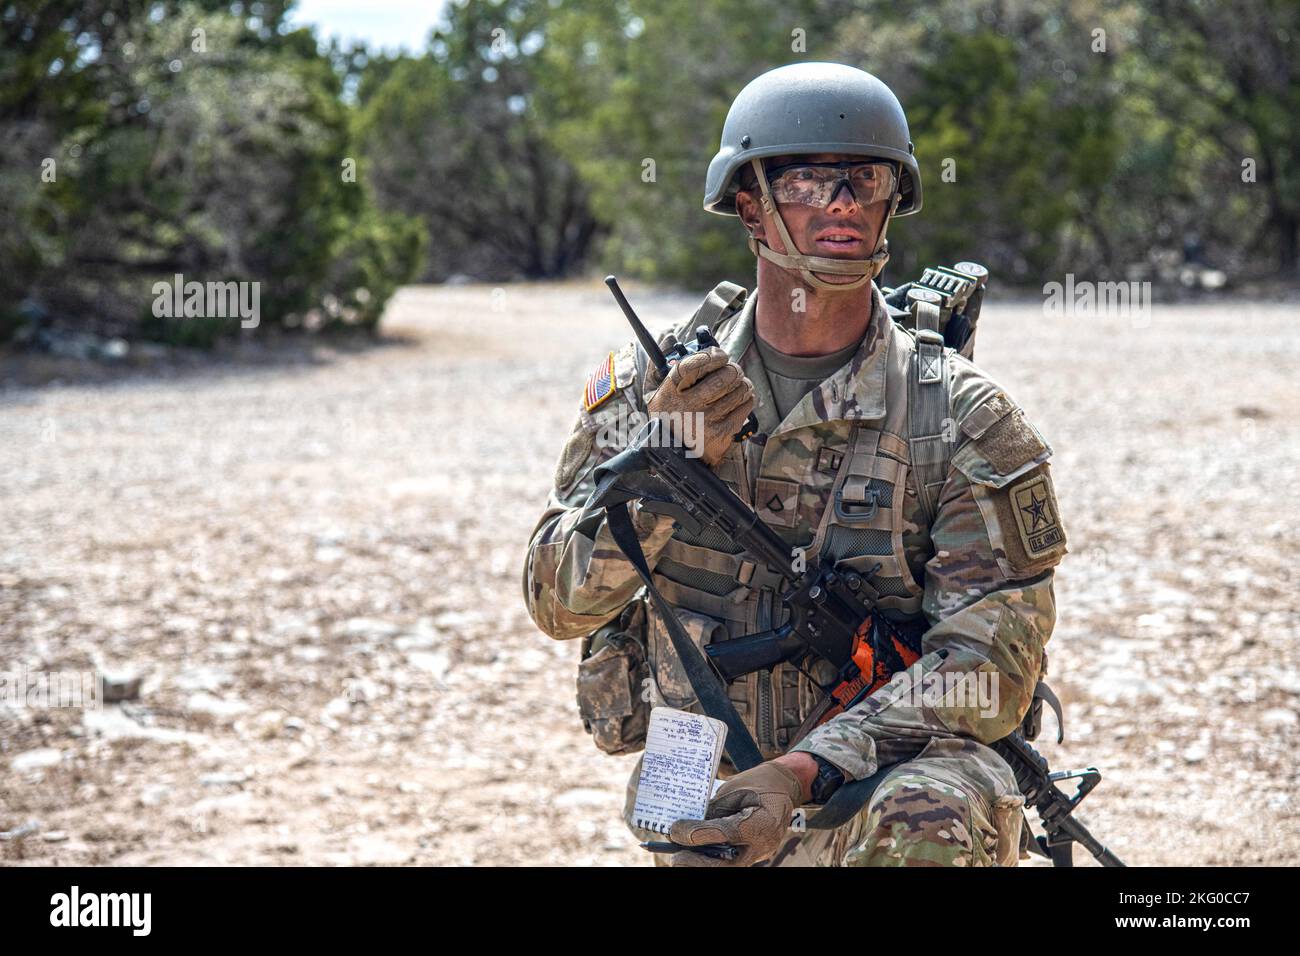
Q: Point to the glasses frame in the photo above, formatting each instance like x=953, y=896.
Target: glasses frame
x=776, y=172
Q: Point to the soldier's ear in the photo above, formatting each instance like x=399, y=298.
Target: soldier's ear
x=748, y=209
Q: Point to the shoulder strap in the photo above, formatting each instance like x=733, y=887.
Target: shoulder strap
x=712, y=694
x=928, y=410
x=725, y=299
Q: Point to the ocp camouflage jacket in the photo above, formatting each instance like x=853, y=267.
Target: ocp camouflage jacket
x=834, y=478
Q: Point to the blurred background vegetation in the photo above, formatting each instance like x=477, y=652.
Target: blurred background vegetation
x=517, y=144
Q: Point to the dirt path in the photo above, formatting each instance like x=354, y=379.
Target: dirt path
x=314, y=567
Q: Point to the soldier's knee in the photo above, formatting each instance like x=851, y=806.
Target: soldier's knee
x=914, y=820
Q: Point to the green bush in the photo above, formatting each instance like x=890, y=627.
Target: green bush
x=198, y=142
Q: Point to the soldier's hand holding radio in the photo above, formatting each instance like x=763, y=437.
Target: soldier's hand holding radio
x=707, y=383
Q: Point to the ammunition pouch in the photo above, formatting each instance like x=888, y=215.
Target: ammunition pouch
x=611, y=680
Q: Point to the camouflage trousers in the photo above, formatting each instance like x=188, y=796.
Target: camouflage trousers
x=955, y=804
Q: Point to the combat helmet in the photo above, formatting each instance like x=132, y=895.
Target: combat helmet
x=814, y=108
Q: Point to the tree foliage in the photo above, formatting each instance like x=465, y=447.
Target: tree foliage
x=455, y=136
x=543, y=138
x=153, y=139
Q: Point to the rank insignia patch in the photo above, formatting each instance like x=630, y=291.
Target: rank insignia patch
x=778, y=502
x=600, y=385
x=1035, y=510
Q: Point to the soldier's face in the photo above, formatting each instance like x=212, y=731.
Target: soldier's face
x=844, y=229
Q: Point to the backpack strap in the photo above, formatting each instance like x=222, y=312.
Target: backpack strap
x=726, y=298
x=928, y=387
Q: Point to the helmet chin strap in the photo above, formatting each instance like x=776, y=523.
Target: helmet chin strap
x=865, y=269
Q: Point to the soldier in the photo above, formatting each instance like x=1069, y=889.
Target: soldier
x=877, y=448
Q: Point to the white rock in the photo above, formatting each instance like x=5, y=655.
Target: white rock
x=1288, y=681
x=1114, y=688
x=362, y=690
x=155, y=795
x=370, y=627
x=37, y=759
x=1279, y=717
x=204, y=703
x=369, y=851
x=206, y=678
x=22, y=830
x=584, y=797
x=456, y=620
x=416, y=640
x=224, y=804
x=435, y=663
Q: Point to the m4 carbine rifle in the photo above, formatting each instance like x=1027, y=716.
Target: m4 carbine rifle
x=832, y=614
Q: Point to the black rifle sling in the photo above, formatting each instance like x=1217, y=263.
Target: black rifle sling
x=844, y=804
x=708, y=687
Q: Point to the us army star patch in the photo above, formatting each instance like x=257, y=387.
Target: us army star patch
x=601, y=384
x=1036, y=515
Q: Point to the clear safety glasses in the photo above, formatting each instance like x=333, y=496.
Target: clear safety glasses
x=815, y=184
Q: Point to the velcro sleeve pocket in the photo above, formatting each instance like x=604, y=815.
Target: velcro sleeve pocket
x=1005, y=462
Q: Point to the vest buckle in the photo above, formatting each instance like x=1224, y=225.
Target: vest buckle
x=857, y=509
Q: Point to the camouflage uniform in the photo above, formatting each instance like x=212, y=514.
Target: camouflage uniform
x=834, y=478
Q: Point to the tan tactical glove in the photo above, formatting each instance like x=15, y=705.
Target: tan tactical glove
x=751, y=812
x=710, y=383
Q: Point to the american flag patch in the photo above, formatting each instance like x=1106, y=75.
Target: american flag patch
x=600, y=385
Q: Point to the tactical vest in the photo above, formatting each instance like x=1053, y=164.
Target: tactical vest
x=721, y=594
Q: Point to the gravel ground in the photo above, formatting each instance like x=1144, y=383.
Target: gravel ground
x=310, y=556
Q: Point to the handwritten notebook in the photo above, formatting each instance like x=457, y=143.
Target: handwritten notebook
x=682, y=752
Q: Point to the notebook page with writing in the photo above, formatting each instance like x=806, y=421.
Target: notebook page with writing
x=682, y=752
